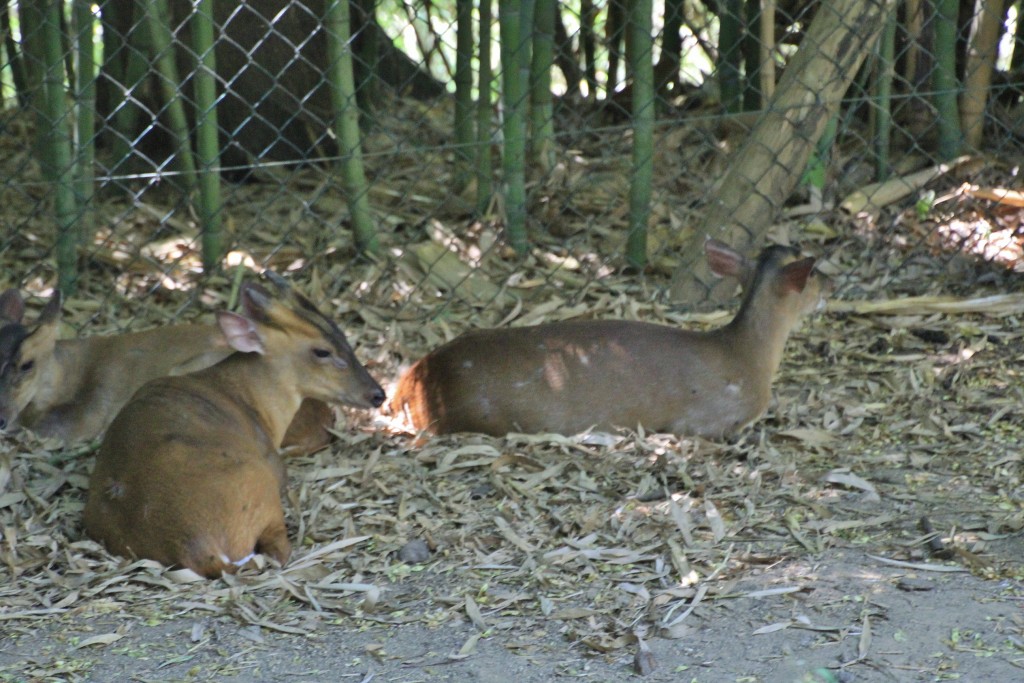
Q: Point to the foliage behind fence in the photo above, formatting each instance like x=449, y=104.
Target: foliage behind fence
x=144, y=144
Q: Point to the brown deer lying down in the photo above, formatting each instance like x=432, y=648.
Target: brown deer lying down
x=189, y=471
x=72, y=388
x=566, y=377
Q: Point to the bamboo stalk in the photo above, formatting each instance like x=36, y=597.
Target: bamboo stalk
x=641, y=59
x=730, y=53
x=126, y=111
x=346, y=125
x=767, y=73
x=883, y=101
x=753, y=98
x=542, y=127
x=85, y=116
x=157, y=18
x=463, y=124
x=56, y=147
x=615, y=31
x=588, y=17
x=207, y=146
x=913, y=22
x=485, y=78
x=981, y=59
x=31, y=18
x=513, y=44
x=944, y=79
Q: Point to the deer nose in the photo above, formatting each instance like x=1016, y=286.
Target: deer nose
x=377, y=397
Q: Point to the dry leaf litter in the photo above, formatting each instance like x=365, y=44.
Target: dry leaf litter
x=896, y=422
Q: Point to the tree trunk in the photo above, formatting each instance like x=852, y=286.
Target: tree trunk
x=768, y=166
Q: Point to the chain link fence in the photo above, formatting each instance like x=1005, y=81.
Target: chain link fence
x=881, y=173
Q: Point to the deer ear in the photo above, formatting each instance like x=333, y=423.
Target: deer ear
x=240, y=332
x=795, y=274
x=256, y=301
x=43, y=336
x=724, y=260
x=12, y=306
x=51, y=312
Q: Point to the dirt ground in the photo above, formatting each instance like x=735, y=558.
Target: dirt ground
x=847, y=617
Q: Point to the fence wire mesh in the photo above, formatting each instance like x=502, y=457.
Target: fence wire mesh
x=891, y=446
x=877, y=175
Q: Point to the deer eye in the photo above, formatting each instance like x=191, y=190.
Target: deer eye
x=27, y=365
x=321, y=353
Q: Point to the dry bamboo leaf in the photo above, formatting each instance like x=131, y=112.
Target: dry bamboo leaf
x=919, y=566
x=811, y=437
x=511, y=536
x=469, y=646
x=473, y=612
x=864, y=642
x=997, y=194
x=319, y=554
x=103, y=639
x=997, y=305
x=571, y=613
x=448, y=462
x=715, y=520
x=682, y=519
x=771, y=592
x=772, y=628
x=696, y=600
x=845, y=477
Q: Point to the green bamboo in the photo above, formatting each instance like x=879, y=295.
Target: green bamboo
x=751, y=46
x=615, y=31
x=542, y=126
x=122, y=95
x=115, y=50
x=730, y=52
x=85, y=115
x=464, y=132
x=208, y=207
x=364, y=68
x=346, y=125
x=31, y=16
x=157, y=17
x=526, y=11
x=485, y=78
x=56, y=146
x=513, y=43
x=640, y=53
x=588, y=17
x=944, y=81
x=883, y=99
x=671, y=58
